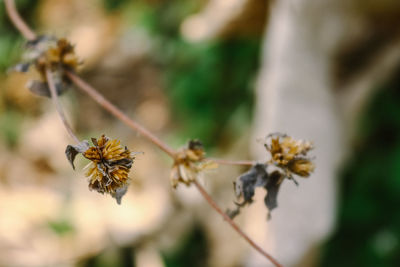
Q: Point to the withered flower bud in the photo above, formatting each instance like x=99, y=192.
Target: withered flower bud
x=109, y=167
x=189, y=163
x=290, y=154
x=55, y=54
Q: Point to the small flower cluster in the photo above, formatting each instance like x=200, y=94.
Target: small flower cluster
x=189, y=163
x=47, y=52
x=109, y=167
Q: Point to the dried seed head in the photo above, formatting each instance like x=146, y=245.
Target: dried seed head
x=189, y=163
x=288, y=158
x=290, y=154
x=47, y=52
x=109, y=167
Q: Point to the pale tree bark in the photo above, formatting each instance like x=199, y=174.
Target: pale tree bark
x=297, y=94
x=321, y=61
x=294, y=96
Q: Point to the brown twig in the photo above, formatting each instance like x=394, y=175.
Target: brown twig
x=215, y=206
x=54, y=97
x=18, y=22
x=233, y=162
x=102, y=101
x=92, y=92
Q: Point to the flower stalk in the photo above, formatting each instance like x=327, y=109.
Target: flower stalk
x=18, y=22
x=119, y=114
x=56, y=102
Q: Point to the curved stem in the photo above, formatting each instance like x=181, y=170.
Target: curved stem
x=54, y=97
x=18, y=22
x=233, y=162
x=215, y=206
x=102, y=101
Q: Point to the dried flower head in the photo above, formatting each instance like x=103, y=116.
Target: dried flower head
x=109, y=167
x=54, y=54
x=189, y=163
x=288, y=158
x=290, y=155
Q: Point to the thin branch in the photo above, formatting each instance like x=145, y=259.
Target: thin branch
x=215, y=206
x=18, y=22
x=102, y=101
x=54, y=97
x=233, y=162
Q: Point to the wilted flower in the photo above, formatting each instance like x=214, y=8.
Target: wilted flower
x=288, y=158
x=54, y=54
x=189, y=163
x=109, y=167
x=290, y=155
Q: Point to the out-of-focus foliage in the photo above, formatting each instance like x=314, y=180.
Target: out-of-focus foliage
x=210, y=84
x=10, y=124
x=193, y=250
x=121, y=257
x=10, y=44
x=368, y=232
x=9, y=36
x=111, y=5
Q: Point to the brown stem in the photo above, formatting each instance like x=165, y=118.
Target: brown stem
x=54, y=97
x=233, y=162
x=92, y=92
x=234, y=225
x=18, y=22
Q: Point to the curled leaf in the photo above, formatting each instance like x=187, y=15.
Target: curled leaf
x=71, y=151
x=41, y=88
x=119, y=193
x=257, y=176
x=247, y=182
x=21, y=67
x=233, y=213
x=272, y=186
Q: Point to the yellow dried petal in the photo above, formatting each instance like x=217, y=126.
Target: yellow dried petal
x=302, y=167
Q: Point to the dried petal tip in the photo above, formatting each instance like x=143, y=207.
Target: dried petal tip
x=189, y=163
x=290, y=155
x=109, y=167
x=119, y=193
x=71, y=151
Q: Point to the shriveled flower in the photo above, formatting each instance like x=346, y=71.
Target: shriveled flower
x=290, y=155
x=189, y=163
x=54, y=54
x=109, y=167
x=288, y=158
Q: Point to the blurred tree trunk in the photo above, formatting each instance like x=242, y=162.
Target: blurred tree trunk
x=320, y=63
